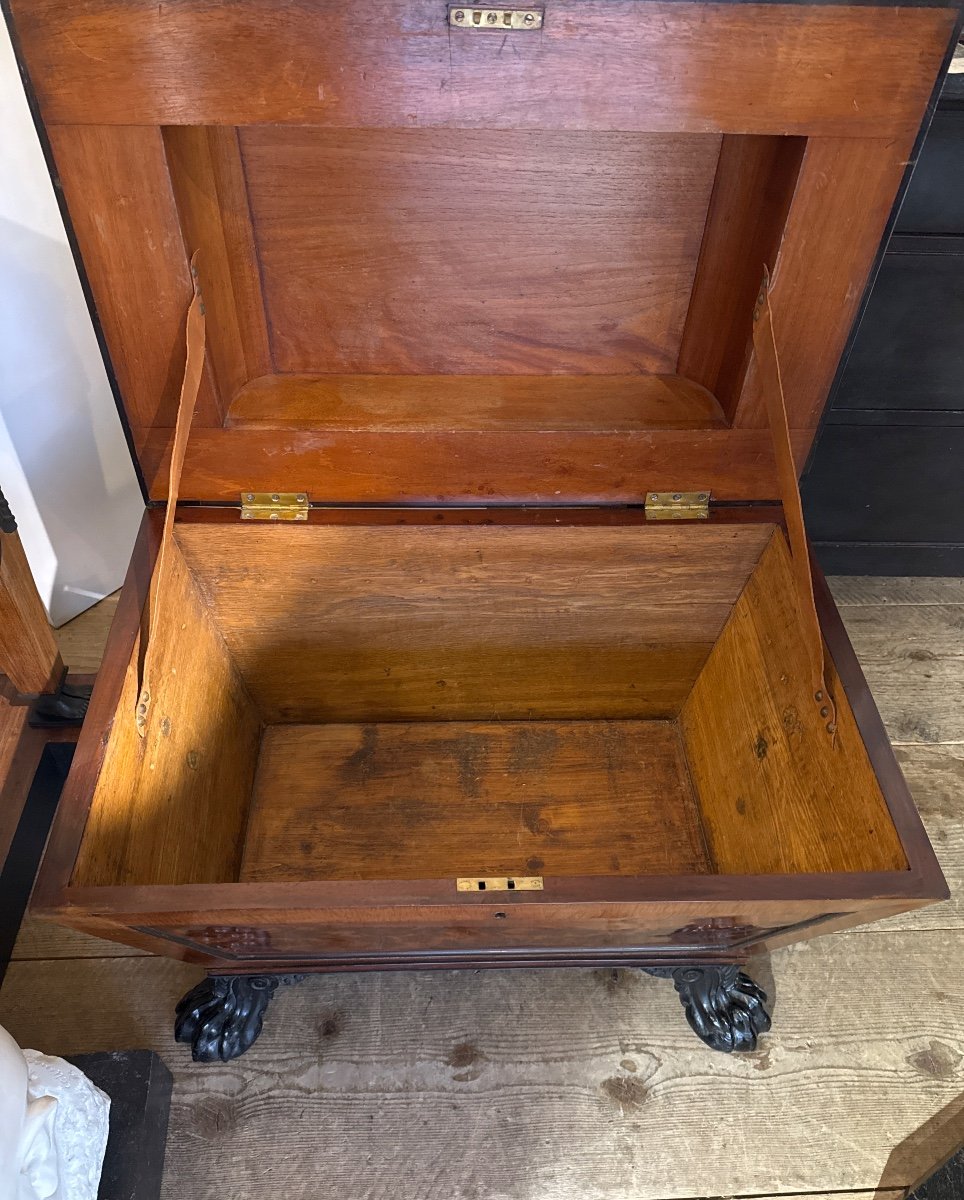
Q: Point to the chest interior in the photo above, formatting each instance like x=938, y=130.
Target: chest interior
x=397, y=703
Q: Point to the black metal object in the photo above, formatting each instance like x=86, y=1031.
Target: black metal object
x=20, y=868
x=65, y=707
x=724, y=1007
x=223, y=1015
x=8, y=523
x=139, y=1086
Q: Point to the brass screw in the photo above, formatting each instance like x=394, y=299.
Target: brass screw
x=529, y=19
x=492, y=18
x=460, y=16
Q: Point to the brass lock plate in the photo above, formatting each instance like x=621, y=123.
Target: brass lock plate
x=500, y=883
x=495, y=19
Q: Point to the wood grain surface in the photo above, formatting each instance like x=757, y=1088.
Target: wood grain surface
x=777, y=793
x=83, y=639
x=435, y=800
x=41, y=941
x=375, y=623
x=29, y=657
x=752, y=192
x=415, y=251
x=207, y=178
x=169, y=807
x=117, y=185
x=915, y=671
x=841, y=203
x=336, y=466
x=16, y=770
x=936, y=778
x=821, y=69
x=393, y=403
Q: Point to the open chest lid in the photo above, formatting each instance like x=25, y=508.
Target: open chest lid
x=455, y=255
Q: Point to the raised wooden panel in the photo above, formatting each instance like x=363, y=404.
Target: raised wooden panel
x=445, y=799
x=596, y=64
x=476, y=251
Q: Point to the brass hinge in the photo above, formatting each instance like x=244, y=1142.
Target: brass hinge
x=274, y=506
x=499, y=883
x=495, y=19
x=677, y=506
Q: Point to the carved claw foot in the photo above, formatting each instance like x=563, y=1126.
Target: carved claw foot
x=223, y=1015
x=724, y=1007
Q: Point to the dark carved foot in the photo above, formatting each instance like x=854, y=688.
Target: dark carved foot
x=65, y=707
x=724, y=1007
x=223, y=1016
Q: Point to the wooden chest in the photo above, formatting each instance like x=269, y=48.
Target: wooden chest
x=484, y=634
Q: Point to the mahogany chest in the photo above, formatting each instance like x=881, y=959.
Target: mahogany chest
x=482, y=631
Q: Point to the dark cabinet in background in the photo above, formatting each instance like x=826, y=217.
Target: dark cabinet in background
x=885, y=490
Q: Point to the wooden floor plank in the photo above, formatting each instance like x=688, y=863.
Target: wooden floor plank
x=913, y=658
x=566, y=1085
x=936, y=778
x=868, y=1194
x=82, y=640
x=896, y=589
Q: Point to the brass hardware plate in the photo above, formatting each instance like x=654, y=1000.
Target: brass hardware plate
x=495, y=19
x=501, y=883
x=274, y=506
x=677, y=506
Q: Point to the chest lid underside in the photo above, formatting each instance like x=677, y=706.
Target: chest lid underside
x=451, y=263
